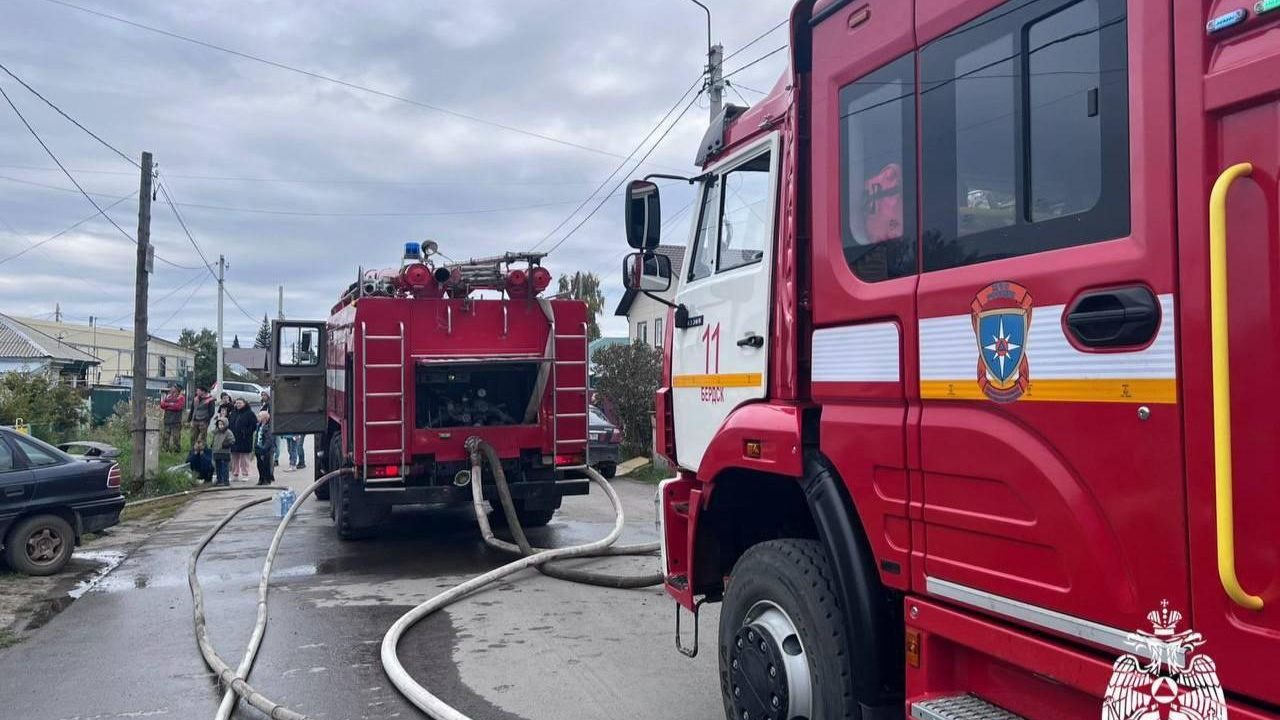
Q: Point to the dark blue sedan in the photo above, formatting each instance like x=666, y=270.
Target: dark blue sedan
x=49, y=499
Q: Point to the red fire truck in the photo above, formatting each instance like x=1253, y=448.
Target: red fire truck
x=412, y=362
x=973, y=365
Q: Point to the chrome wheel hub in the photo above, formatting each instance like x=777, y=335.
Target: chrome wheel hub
x=769, y=677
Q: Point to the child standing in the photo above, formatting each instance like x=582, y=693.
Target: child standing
x=220, y=442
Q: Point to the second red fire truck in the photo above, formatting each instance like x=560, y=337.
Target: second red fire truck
x=973, y=364
x=412, y=362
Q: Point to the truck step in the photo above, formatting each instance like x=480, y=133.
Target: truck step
x=959, y=707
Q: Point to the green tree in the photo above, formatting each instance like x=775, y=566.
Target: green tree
x=585, y=287
x=53, y=410
x=627, y=377
x=205, y=345
x=263, y=339
x=235, y=341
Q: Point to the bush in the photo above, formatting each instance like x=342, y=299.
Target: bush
x=627, y=377
x=54, y=411
x=117, y=431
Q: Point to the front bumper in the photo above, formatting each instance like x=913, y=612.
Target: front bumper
x=599, y=452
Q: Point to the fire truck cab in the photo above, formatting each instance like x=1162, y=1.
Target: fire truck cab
x=412, y=362
x=971, y=372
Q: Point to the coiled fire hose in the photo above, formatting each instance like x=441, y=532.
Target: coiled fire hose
x=234, y=680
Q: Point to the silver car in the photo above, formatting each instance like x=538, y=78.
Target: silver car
x=246, y=391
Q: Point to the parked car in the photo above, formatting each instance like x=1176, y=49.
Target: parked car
x=49, y=500
x=605, y=441
x=247, y=391
x=87, y=449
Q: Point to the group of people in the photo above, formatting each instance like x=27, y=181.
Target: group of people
x=224, y=434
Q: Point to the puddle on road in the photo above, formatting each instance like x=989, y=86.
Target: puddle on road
x=107, y=561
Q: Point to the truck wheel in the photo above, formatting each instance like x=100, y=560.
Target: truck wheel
x=349, y=516
x=607, y=470
x=322, y=492
x=40, y=545
x=782, y=637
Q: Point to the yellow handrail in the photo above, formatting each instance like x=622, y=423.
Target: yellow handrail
x=1222, y=387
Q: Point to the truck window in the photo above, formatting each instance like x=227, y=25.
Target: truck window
x=702, y=264
x=878, y=172
x=298, y=346
x=1027, y=148
x=744, y=209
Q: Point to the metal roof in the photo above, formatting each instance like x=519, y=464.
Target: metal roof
x=22, y=342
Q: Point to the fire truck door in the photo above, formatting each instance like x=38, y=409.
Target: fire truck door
x=1228, y=112
x=720, y=356
x=1051, y=487
x=297, y=356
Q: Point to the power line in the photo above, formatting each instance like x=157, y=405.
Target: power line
x=334, y=80
x=305, y=213
x=697, y=81
x=318, y=181
x=70, y=119
x=173, y=207
x=758, y=38
x=71, y=177
x=64, y=231
x=164, y=324
x=236, y=302
x=727, y=75
x=646, y=155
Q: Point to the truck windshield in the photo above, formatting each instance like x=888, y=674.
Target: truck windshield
x=475, y=394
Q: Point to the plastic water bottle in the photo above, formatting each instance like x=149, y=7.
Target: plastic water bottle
x=284, y=501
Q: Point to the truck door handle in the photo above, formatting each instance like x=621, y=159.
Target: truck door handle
x=1116, y=317
x=752, y=341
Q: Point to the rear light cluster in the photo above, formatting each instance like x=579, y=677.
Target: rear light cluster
x=113, y=477
x=615, y=436
x=568, y=460
x=382, y=471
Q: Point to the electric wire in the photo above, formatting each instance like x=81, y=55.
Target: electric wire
x=64, y=231
x=165, y=323
x=763, y=57
x=337, y=81
x=644, y=157
x=70, y=119
x=758, y=38
x=621, y=165
x=317, y=181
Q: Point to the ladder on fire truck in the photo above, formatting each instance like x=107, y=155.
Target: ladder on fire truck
x=583, y=390
x=385, y=455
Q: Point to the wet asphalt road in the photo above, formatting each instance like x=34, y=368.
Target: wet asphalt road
x=533, y=647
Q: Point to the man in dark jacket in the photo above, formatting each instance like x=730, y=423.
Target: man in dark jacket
x=172, y=404
x=264, y=449
x=200, y=414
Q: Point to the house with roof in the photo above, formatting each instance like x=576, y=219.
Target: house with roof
x=645, y=316
x=167, y=361
x=26, y=349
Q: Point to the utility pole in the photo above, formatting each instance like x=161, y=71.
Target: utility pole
x=57, y=312
x=97, y=369
x=222, y=266
x=280, y=305
x=139, y=391
x=715, y=78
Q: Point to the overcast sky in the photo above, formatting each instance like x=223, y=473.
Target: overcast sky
x=336, y=177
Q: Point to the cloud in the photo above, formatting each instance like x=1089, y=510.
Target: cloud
x=593, y=74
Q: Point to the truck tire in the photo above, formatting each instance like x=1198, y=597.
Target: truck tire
x=322, y=492
x=607, y=470
x=353, y=519
x=782, y=636
x=40, y=545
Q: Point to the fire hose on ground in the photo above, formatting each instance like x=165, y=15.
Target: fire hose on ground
x=235, y=680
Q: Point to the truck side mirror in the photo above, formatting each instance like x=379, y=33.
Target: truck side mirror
x=646, y=272
x=644, y=215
